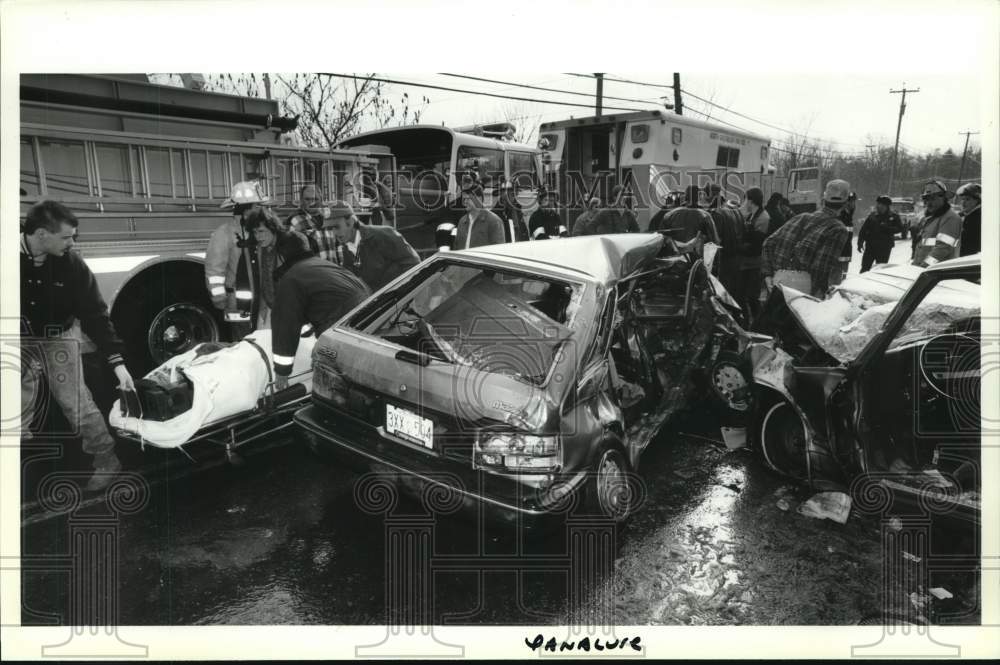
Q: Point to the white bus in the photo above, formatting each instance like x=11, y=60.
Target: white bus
x=428, y=160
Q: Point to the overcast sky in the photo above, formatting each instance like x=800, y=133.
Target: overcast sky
x=846, y=111
x=819, y=68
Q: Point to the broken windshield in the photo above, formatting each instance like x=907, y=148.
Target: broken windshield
x=488, y=319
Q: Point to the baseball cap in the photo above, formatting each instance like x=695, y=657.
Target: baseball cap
x=837, y=191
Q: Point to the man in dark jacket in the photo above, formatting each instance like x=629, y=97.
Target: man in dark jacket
x=970, y=196
x=878, y=233
x=376, y=254
x=586, y=217
x=545, y=222
x=310, y=290
x=729, y=226
x=509, y=211
x=689, y=223
x=755, y=231
x=58, y=290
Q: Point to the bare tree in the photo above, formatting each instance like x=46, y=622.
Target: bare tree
x=329, y=108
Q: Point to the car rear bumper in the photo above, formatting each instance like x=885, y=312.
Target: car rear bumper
x=495, y=497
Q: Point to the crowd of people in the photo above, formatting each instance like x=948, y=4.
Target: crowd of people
x=309, y=269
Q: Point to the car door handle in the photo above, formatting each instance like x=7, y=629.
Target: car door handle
x=406, y=355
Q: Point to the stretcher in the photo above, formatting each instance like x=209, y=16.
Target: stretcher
x=232, y=402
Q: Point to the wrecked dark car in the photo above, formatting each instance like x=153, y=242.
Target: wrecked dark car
x=878, y=385
x=527, y=377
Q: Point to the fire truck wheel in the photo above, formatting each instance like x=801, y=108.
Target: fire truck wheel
x=159, y=323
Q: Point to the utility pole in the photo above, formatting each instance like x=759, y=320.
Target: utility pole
x=961, y=169
x=899, y=125
x=678, y=106
x=267, y=85
x=600, y=91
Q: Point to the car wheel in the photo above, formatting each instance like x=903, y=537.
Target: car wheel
x=610, y=491
x=782, y=437
x=730, y=387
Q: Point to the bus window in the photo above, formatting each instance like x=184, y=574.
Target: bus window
x=65, y=168
x=158, y=170
x=237, y=169
x=522, y=170
x=484, y=161
x=29, y=169
x=112, y=163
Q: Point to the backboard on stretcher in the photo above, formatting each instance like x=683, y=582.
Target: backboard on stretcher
x=257, y=411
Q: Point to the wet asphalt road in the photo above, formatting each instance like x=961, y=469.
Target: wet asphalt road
x=283, y=539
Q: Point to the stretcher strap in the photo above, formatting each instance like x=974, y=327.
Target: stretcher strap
x=263, y=355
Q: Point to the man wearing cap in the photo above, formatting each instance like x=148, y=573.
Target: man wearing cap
x=584, y=223
x=545, y=222
x=309, y=290
x=804, y=254
x=376, y=254
x=689, y=224
x=729, y=226
x=970, y=196
x=940, y=229
x=312, y=220
x=231, y=270
x=478, y=226
x=878, y=233
x=847, y=219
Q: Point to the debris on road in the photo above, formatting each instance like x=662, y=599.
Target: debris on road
x=911, y=557
x=734, y=437
x=834, y=506
x=783, y=504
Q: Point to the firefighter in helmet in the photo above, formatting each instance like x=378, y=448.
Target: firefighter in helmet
x=231, y=270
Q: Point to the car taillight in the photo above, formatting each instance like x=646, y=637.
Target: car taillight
x=330, y=385
x=516, y=451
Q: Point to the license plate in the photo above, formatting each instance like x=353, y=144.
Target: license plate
x=408, y=425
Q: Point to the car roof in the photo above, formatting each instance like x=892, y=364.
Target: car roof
x=963, y=262
x=605, y=258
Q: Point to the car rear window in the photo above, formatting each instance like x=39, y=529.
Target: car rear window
x=493, y=320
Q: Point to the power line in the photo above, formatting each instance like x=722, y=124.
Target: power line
x=617, y=80
x=535, y=87
x=470, y=92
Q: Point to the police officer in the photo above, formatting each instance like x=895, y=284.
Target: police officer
x=940, y=229
x=545, y=222
x=878, y=233
x=310, y=290
x=231, y=271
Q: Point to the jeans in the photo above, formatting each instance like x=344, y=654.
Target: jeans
x=58, y=360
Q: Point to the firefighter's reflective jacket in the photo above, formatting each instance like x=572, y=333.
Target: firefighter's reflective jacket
x=939, y=238
x=231, y=269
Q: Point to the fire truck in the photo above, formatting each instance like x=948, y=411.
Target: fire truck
x=145, y=168
x=654, y=154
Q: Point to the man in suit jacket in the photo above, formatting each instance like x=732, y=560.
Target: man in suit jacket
x=376, y=254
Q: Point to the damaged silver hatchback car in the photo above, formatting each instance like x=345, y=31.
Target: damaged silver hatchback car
x=522, y=377
x=875, y=391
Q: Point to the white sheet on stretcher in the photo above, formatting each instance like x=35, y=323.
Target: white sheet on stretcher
x=226, y=382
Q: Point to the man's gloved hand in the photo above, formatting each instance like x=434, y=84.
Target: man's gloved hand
x=280, y=383
x=861, y=247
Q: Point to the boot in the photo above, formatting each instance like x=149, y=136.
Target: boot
x=105, y=469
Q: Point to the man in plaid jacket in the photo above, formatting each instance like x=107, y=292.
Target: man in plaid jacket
x=804, y=253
